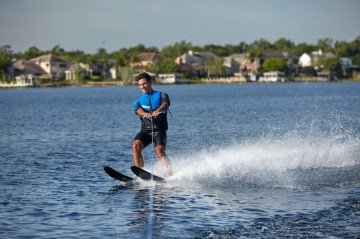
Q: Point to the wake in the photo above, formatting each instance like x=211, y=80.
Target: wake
x=290, y=161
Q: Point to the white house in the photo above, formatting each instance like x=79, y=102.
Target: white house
x=170, y=78
x=310, y=59
x=305, y=60
x=273, y=76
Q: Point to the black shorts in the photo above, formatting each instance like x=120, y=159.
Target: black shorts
x=145, y=137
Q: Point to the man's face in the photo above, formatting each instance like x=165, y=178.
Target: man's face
x=144, y=85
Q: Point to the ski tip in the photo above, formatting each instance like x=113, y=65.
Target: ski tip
x=145, y=175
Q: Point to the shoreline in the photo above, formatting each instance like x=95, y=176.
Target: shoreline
x=186, y=82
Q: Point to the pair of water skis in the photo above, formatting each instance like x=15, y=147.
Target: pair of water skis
x=141, y=173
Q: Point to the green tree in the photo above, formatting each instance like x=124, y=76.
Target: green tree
x=355, y=51
x=57, y=50
x=214, y=66
x=218, y=50
x=165, y=66
x=101, y=58
x=331, y=64
x=325, y=44
x=122, y=57
x=241, y=47
x=177, y=49
x=32, y=52
x=5, y=60
x=308, y=71
x=303, y=48
x=283, y=44
x=258, y=47
x=274, y=64
x=74, y=56
x=127, y=75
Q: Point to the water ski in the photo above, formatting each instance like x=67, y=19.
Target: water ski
x=145, y=175
x=116, y=175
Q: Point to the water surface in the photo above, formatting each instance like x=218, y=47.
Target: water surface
x=254, y=160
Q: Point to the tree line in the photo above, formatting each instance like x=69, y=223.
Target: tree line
x=125, y=56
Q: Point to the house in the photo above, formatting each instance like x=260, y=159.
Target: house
x=27, y=72
x=192, y=63
x=246, y=65
x=305, y=60
x=52, y=65
x=230, y=66
x=290, y=59
x=310, y=59
x=145, y=59
x=101, y=69
x=114, y=72
x=347, y=67
x=77, y=72
x=251, y=77
x=325, y=76
x=170, y=78
x=273, y=76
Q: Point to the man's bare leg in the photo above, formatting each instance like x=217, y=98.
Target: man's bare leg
x=138, y=146
x=160, y=151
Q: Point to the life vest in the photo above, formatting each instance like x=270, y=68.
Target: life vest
x=149, y=102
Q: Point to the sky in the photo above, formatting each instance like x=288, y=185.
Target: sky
x=114, y=24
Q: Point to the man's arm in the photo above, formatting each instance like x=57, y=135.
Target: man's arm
x=162, y=107
x=143, y=114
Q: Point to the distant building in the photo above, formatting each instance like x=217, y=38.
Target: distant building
x=170, y=78
x=310, y=59
x=77, y=72
x=273, y=76
x=347, y=67
x=305, y=60
x=291, y=60
x=246, y=65
x=192, y=63
x=27, y=72
x=230, y=66
x=325, y=76
x=52, y=65
x=145, y=59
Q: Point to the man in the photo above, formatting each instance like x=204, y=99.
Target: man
x=151, y=107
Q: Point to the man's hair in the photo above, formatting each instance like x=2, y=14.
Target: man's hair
x=144, y=75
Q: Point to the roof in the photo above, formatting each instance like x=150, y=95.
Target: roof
x=239, y=55
x=47, y=58
x=229, y=62
x=150, y=56
x=27, y=67
x=272, y=55
x=76, y=68
x=206, y=55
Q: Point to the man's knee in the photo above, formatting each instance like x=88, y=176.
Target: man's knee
x=160, y=151
x=138, y=145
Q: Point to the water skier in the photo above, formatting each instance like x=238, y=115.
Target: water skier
x=152, y=108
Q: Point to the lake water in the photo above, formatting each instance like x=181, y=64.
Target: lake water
x=249, y=161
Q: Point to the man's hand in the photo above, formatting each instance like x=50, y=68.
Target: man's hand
x=155, y=114
x=147, y=116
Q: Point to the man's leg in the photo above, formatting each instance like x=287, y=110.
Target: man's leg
x=160, y=151
x=138, y=146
